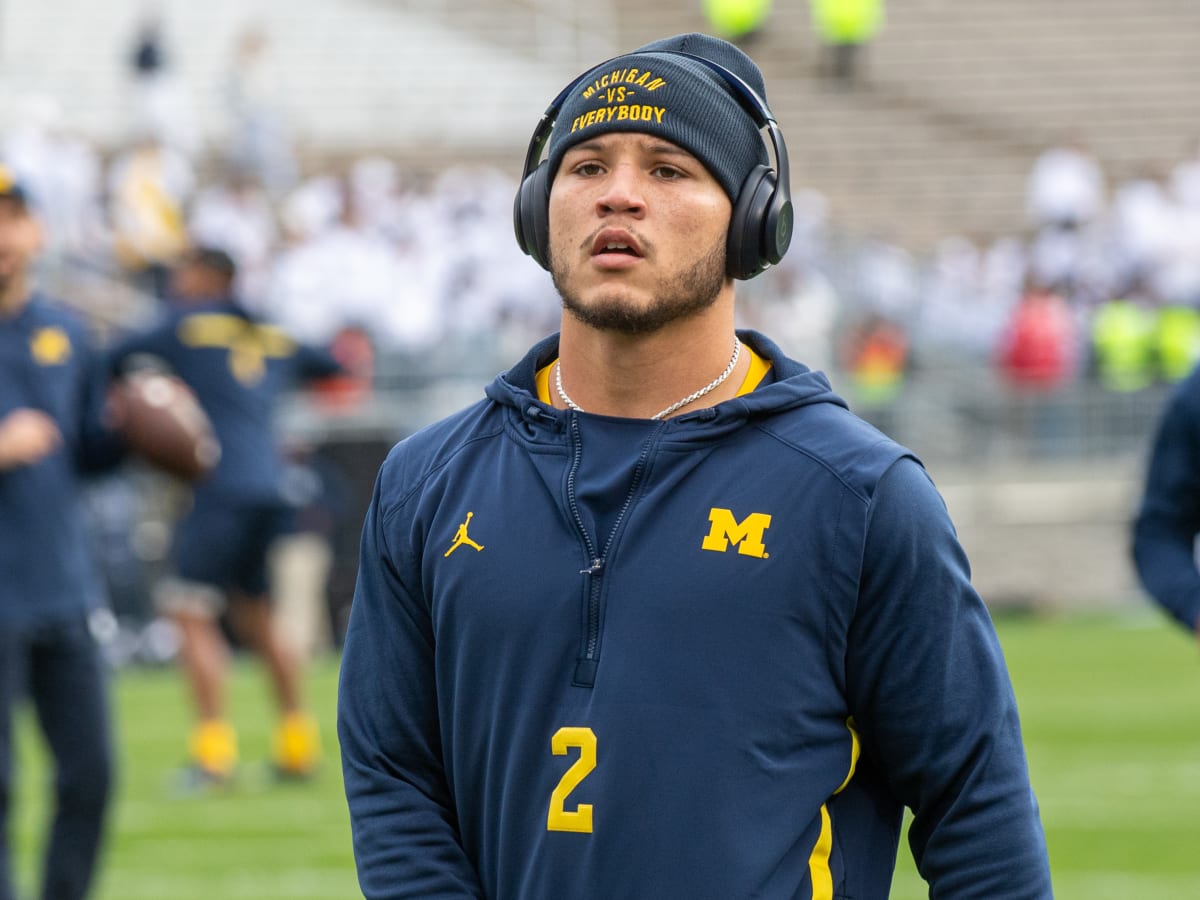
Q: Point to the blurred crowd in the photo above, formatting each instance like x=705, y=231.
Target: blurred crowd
x=1103, y=283
x=365, y=247
x=1102, y=286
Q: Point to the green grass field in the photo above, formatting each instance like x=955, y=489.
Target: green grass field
x=1110, y=706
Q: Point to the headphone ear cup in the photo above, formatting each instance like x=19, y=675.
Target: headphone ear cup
x=531, y=215
x=777, y=229
x=745, y=247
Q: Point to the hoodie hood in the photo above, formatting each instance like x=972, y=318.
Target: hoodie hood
x=795, y=385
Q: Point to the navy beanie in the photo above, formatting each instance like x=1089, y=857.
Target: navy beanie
x=10, y=187
x=676, y=98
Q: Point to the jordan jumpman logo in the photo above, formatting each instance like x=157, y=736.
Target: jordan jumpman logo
x=461, y=537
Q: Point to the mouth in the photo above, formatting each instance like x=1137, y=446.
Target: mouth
x=613, y=244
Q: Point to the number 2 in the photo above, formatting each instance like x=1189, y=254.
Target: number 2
x=579, y=819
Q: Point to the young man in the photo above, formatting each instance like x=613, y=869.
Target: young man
x=710, y=633
x=238, y=367
x=52, y=430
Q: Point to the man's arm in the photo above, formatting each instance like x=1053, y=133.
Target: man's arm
x=1164, y=532
x=100, y=447
x=931, y=696
x=406, y=839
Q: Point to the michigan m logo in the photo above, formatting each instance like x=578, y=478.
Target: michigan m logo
x=747, y=534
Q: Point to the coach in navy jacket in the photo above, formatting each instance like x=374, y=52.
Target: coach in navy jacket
x=607, y=645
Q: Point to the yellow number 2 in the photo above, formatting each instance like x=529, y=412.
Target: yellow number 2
x=579, y=819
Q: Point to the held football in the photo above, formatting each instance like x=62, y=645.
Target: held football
x=161, y=421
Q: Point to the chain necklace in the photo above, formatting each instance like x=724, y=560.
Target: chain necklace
x=678, y=404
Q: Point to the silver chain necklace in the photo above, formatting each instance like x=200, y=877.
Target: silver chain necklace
x=678, y=404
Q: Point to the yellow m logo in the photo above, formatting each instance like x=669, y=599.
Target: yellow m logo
x=747, y=534
x=249, y=343
x=50, y=346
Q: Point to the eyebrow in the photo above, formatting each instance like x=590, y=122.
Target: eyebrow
x=651, y=143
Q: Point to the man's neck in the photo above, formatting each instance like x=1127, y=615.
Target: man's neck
x=638, y=376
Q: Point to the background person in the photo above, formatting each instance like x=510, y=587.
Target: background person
x=238, y=368
x=712, y=632
x=1168, y=518
x=52, y=430
x=844, y=28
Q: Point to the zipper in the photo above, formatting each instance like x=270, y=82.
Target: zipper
x=586, y=665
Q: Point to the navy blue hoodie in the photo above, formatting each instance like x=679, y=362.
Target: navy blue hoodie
x=711, y=657
x=47, y=363
x=1168, y=520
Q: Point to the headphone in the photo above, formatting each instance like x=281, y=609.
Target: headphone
x=760, y=226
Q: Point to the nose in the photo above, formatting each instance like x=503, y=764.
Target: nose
x=622, y=191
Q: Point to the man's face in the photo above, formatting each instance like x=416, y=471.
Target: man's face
x=19, y=240
x=192, y=279
x=637, y=233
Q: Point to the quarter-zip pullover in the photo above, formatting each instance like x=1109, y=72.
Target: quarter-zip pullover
x=714, y=661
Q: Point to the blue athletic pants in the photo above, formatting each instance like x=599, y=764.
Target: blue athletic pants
x=58, y=668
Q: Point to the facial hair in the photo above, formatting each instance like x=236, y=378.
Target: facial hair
x=688, y=293
x=11, y=284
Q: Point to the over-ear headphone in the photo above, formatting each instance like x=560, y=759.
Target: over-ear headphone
x=760, y=227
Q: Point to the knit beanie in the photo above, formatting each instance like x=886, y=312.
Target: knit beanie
x=10, y=187
x=654, y=90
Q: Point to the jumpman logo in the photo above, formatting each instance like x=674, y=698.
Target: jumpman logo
x=461, y=537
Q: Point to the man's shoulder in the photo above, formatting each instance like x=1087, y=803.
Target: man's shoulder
x=49, y=310
x=56, y=331
x=429, y=449
x=842, y=443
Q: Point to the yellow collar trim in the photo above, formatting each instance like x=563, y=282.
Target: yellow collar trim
x=759, y=367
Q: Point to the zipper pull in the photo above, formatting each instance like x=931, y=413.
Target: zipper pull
x=596, y=568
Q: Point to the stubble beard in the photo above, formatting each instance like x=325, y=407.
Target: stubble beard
x=10, y=282
x=687, y=294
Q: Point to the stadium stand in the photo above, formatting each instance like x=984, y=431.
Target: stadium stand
x=936, y=141
x=957, y=100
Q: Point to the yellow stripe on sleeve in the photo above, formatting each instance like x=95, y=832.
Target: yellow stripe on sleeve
x=818, y=863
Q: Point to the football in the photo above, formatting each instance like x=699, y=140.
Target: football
x=161, y=421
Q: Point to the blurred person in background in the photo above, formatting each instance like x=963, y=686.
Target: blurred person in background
x=149, y=187
x=659, y=616
x=238, y=367
x=1139, y=224
x=52, y=431
x=875, y=356
x=1037, y=347
x=1123, y=345
x=62, y=176
x=1176, y=340
x=739, y=21
x=1065, y=188
x=160, y=104
x=1184, y=178
x=844, y=28
x=260, y=141
x=234, y=213
x=1167, y=523
x=297, y=289
x=344, y=265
